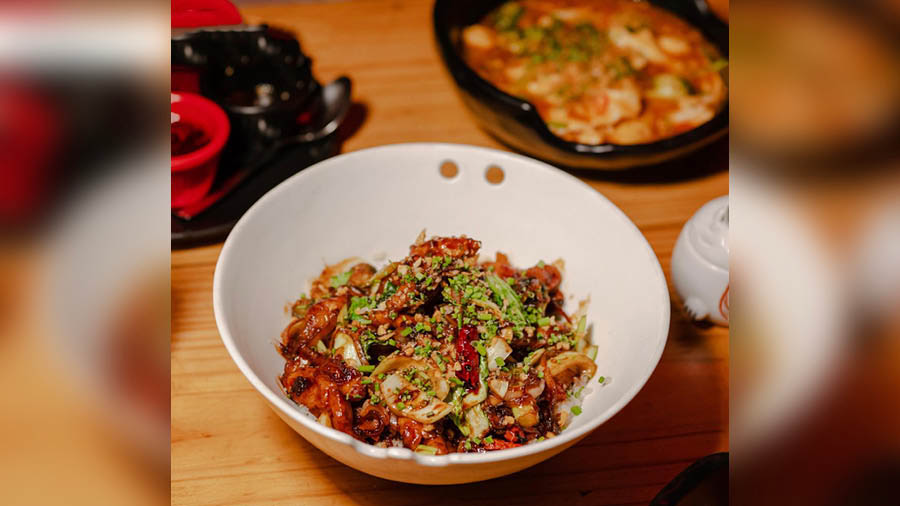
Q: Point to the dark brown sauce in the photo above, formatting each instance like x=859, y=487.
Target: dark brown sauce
x=187, y=138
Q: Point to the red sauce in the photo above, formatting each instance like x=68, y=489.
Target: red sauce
x=187, y=138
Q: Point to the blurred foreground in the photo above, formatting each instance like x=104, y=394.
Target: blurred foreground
x=84, y=253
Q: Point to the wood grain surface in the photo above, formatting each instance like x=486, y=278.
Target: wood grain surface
x=228, y=447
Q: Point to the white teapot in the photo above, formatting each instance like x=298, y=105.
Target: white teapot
x=700, y=263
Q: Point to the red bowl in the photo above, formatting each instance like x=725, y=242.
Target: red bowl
x=193, y=172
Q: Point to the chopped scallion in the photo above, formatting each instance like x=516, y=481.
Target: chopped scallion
x=430, y=450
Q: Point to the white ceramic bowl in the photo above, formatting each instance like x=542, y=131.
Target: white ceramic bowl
x=372, y=204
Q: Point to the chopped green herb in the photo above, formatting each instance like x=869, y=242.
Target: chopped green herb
x=480, y=348
x=366, y=368
x=407, y=331
x=500, y=361
x=340, y=279
x=488, y=440
x=507, y=16
x=601, y=379
x=430, y=450
x=365, y=381
x=389, y=290
x=504, y=294
x=543, y=322
x=401, y=406
x=576, y=410
x=357, y=303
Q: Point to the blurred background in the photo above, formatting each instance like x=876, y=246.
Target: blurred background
x=84, y=283
x=815, y=364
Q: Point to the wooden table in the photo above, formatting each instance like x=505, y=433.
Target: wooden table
x=229, y=447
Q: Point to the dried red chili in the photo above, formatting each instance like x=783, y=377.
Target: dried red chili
x=468, y=357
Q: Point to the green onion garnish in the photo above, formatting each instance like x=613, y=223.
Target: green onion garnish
x=430, y=450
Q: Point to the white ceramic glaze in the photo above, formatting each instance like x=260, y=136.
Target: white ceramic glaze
x=700, y=263
x=372, y=204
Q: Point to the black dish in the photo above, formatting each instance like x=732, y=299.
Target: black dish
x=516, y=122
x=260, y=77
x=282, y=119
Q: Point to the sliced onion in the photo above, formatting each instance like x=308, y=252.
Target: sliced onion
x=478, y=396
x=420, y=408
x=570, y=364
x=534, y=357
x=536, y=390
x=526, y=415
x=497, y=349
x=381, y=274
x=580, y=316
x=345, y=346
x=477, y=422
x=399, y=362
x=499, y=387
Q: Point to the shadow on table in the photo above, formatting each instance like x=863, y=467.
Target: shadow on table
x=703, y=162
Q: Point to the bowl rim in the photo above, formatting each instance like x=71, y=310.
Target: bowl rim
x=468, y=80
x=285, y=408
x=203, y=106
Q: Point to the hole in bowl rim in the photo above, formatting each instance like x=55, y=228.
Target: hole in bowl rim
x=441, y=151
x=449, y=166
x=494, y=174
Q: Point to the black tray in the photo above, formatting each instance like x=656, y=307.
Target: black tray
x=214, y=223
